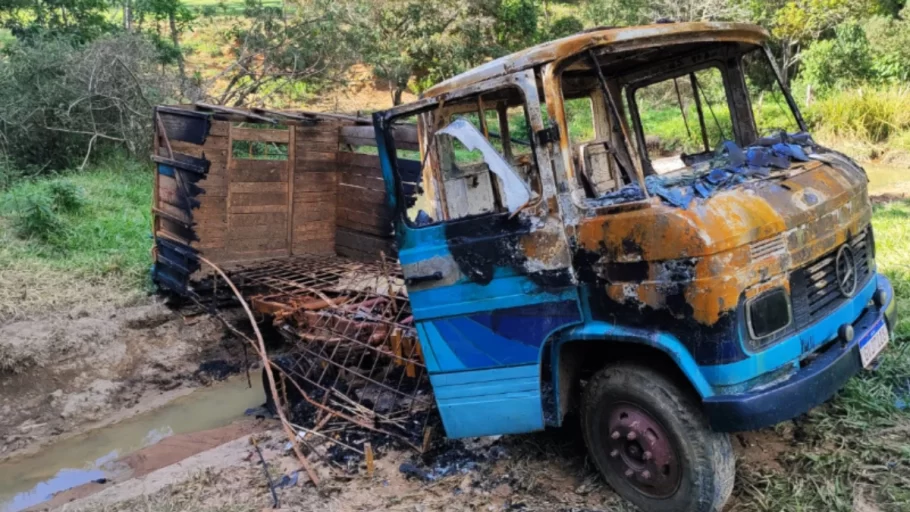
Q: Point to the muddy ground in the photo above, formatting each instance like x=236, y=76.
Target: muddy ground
x=65, y=373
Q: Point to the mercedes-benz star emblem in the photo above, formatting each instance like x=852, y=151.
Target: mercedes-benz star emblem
x=845, y=270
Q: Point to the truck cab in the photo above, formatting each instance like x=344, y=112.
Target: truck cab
x=634, y=224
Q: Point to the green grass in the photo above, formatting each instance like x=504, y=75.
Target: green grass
x=103, y=245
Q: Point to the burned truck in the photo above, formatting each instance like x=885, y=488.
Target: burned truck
x=629, y=223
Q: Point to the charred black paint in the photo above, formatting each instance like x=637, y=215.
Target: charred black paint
x=481, y=244
x=714, y=344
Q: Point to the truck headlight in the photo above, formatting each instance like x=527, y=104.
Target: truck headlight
x=768, y=314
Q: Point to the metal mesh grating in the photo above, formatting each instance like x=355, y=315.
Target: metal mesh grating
x=354, y=354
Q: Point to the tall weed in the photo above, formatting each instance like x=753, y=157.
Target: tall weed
x=36, y=218
x=873, y=115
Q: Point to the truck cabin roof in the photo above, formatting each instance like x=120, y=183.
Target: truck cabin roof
x=620, y=50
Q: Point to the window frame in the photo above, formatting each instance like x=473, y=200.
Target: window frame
x=632, y=88
x=791, y=102
x=425, y=117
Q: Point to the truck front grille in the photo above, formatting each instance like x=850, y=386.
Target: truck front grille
x=813, y=288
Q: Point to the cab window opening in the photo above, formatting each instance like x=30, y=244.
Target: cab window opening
x=478, y=159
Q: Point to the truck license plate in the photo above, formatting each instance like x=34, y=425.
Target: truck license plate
x=873, y=344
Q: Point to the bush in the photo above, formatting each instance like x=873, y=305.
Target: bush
x=871, y=114
x=60, y=101
x=37, y=209
x=65, y=196
x=565, y=26
x=842, y=61
x=37, y=219
x=889, y=39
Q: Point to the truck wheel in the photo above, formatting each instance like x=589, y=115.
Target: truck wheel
x=652, y=444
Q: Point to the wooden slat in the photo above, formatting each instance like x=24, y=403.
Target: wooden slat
x=255, y=165
x=373, y=215
x=265, y=187
x=277, y=175
x=316, y=246
x=305, y=156
x=257, y=219
x=267, y=208
x=405, y=136
x=365, y=228
x=292, y=151
x=363, y=243
x=272, y=231
x=359, y=159
x=302, y=215
x=256, y=199
x=360, y=180
x=265, y=135
x=265, y=244
x=353, y=193
x=175, y=212
x=302, y=199
x=219, y=128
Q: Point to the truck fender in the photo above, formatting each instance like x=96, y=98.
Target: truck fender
x=564, y=371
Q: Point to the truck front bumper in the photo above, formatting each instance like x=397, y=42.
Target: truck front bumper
x=811, y=385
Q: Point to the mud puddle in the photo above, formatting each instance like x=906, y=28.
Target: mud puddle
x=95, y=456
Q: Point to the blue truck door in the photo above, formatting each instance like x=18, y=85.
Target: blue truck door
x=487, y=285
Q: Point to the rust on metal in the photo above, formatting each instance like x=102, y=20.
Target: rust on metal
x=352, y=344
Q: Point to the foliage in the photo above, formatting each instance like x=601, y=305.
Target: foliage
x=38, y=209
x=564, y=26
x=420, y=42
x=65, y=196
x=636, y=12
x=872, y=115
x=842, y=61
x=59, y=102
x=273, y=49
x=889, y=42
x=95, y=222
x=516, y=23
x=36, y=218
x=81, y=20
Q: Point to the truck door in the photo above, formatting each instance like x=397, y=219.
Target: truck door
x=483, y=251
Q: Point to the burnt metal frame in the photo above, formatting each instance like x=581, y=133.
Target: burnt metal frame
x=284, y=287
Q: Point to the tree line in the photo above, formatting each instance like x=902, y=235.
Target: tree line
x=80, y=76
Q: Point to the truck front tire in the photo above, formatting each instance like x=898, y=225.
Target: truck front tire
x=652, y=444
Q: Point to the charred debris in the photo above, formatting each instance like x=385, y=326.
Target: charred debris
x=326, y=312
x=731, y=165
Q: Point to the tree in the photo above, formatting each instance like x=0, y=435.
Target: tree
x=516, y=23
x=178, y=18
x=425, y=41
x=638, y=12
x=80, y=20
x=273, y=50
x=60, y=100
x=843, y=60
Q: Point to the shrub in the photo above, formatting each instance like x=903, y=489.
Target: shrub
x=871, y=114
x=61, y=101
x=65, y=196
x=842, y=61
x=36, y=218
x=565, y=26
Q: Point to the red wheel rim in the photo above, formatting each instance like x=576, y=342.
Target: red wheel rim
x=640, y=450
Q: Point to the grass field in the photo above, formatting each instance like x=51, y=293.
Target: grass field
x=99, y=251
